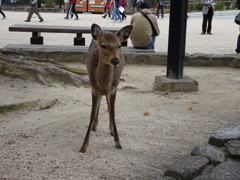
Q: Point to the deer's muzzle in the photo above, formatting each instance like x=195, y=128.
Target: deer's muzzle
x=115, y=61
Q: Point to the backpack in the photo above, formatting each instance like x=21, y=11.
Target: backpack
x=237, y=19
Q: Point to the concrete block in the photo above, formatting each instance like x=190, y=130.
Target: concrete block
x=186, y=84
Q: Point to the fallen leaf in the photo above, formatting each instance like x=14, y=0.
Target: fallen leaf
x=11, y=86
x=206, y=120
x=146, y=114
x=190, y=108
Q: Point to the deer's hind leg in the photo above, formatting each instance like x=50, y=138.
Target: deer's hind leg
x=96, y=99
x=112, y=124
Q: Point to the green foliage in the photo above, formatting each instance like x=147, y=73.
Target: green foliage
x=25, y=105
x=48, y=3
x=75, y=70
x=196, y=7
x=3, y=68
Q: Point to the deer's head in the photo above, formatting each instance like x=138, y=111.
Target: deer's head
x=109, y=44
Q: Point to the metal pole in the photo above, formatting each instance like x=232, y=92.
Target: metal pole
x=177, y=38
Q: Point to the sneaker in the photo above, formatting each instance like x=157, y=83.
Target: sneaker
x=27, y=20
x=41, y=20
x=203, y=33
x=120, y=21
x=4, y=17
x=76, y=18
x=209, y=33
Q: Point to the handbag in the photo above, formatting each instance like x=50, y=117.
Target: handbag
x=121, y=9
x=157, y=5
x=237, y=19
x=154, y=32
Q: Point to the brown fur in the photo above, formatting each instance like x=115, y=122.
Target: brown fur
x=105, y=65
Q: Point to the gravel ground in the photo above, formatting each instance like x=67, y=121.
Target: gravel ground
x=43, y=144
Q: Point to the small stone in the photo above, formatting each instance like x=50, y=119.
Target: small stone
x=223, y=135
x=233, y=147
x=214, y=154
x=187, y=168
x=228, y=170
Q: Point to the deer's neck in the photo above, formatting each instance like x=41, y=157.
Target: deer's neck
x=104, y=74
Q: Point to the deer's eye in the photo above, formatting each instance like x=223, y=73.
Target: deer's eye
x=104, y=47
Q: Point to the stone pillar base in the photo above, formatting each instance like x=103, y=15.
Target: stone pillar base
x=186, y=84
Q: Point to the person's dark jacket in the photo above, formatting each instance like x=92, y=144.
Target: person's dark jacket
x=238, y=4
x=117, y=3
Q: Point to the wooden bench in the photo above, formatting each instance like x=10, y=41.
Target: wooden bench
x=36, y=30
x=25, y=47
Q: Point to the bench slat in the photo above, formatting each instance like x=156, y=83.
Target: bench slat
x=66, y=48
x=56, y=29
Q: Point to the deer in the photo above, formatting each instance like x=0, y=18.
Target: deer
x=104, y=62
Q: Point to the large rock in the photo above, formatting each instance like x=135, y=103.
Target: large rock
x=187, y=168
x=214, y=154
x=229, y=170
x=223, y=135
x=233, y=148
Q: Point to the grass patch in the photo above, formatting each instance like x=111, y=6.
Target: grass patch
x=17, y=107
x=75, y=70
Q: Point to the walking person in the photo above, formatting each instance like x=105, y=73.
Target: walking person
x=73, y=4
x=160, y=7
x=138, y=3
x=208, y=11
x=116, y=13
x=34, y=9
x=4, y=16
x=107, y=9
x=124, y=5
x=237, y=50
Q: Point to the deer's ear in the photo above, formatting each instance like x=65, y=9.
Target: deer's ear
x=96, y=31
x=124, y=33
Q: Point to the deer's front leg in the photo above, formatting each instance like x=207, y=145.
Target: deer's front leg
x=96, y=99
x=113, y=129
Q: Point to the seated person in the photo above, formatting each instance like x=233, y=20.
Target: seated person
x=142, y=36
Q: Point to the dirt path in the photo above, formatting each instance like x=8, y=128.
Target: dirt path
x=44, y=144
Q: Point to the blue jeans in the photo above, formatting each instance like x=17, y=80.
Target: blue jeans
x=238, y=44
x=116, y=14
x=150, y=46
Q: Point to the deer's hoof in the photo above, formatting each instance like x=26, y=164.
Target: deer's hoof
x=118, y=146
x=94, y=129
x=82, y=150
x=111, y=133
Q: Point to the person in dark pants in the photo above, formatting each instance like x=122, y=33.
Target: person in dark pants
x=34, y=9
x=208, y=11
x=237, y=50
x=160, y=7
x=73, y=4
x=4, y=16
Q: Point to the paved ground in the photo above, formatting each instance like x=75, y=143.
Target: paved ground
x=223, y=40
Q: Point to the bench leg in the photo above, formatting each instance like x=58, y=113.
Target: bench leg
x=79, y=40
x=36, y=38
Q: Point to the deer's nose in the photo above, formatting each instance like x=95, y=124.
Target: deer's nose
x=115, y=61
